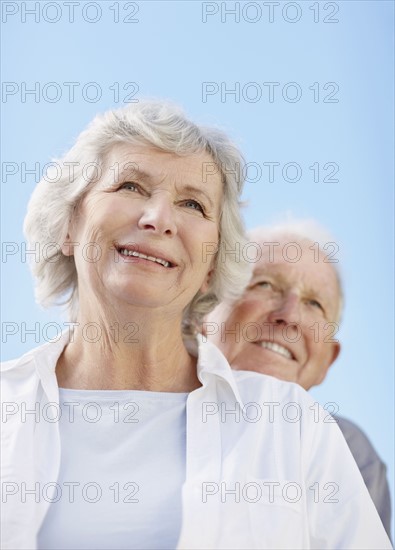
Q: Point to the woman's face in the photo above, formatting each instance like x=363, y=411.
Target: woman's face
x=140, y=232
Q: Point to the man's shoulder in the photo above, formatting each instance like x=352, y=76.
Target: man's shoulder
x=359, y=443
x=351, y=431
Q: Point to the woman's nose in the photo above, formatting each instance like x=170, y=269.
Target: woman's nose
x=158, y=215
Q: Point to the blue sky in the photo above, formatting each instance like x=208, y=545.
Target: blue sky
x=313, y=90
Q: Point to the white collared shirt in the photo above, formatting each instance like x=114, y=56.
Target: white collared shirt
x=265, y=466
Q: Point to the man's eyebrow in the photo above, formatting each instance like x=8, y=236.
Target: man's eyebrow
x=267, y=272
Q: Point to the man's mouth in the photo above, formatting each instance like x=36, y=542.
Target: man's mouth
x=277, y=348
x=134, y=253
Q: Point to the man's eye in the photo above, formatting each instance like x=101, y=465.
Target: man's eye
x=264, y=284
x=194, y=205
x=261, y=285
x=316, y=304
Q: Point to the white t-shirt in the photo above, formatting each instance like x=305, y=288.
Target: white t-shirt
x=122, y=462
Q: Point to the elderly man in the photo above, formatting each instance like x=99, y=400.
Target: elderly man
x=284, y=325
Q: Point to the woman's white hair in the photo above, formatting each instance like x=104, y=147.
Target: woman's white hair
x=152, y=123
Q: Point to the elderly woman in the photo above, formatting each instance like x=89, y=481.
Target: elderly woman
x=141, y=435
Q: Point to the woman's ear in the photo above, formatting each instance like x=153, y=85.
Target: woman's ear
x=68, y=246
x=213, y=252
x=206, y=282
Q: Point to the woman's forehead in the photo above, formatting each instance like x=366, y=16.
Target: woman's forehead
x=149, y=161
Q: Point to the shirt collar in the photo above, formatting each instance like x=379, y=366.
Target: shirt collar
x=211, y=363
x=45, y=359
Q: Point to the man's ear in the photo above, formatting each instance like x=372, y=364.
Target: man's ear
x=332, y=356
x=336, y=351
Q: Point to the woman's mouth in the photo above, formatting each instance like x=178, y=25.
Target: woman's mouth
x=134, y=253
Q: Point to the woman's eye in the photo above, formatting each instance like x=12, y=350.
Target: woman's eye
x=194, y=205
x=130, y=186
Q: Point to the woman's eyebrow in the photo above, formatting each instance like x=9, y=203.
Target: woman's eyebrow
x=134, y=171
x=198, y=192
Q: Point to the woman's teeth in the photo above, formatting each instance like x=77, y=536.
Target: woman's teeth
x=136, y=254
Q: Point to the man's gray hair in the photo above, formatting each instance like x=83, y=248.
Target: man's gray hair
x=152, y=123
x=303, y=230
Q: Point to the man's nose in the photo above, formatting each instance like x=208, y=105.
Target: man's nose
x=158, y=215
x=286, y=310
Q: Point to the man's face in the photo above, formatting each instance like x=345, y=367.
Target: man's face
x=284, y=323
